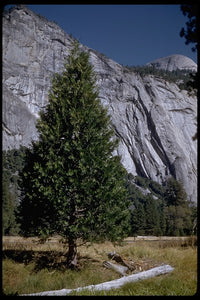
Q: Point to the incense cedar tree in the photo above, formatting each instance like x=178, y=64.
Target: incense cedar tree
x=72, y=184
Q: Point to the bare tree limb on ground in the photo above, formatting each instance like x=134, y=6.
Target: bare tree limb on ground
x=114, y=284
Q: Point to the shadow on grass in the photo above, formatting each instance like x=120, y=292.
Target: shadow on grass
x=9, y=294
x=51, y=260
x=42, y=259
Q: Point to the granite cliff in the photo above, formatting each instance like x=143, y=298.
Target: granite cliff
x=153, y=118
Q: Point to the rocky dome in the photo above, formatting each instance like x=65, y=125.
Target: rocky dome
x=173, y=62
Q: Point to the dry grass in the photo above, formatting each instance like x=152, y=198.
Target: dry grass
x=29, y=266
x=33, y=243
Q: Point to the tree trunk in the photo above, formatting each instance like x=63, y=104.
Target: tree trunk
x=72, y=254
x=119, y=269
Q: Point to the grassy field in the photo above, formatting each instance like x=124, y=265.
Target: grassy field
x=30, y=267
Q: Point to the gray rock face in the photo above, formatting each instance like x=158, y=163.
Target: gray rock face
x=174, y=62
x=154, y=120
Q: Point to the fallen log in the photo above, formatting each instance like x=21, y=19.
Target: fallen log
x=115, y=256
x=119, y=269
x=114, y=284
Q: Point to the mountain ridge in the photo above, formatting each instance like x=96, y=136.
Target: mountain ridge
x=154, y=119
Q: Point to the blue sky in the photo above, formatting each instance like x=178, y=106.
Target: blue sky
x=129, y=34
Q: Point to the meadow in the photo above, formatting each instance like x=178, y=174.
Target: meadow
x=31, y=266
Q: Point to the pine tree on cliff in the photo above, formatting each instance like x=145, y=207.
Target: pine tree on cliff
x=72, y=184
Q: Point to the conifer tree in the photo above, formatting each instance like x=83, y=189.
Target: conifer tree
x=177, y=210
x=138, y=220
x=8, y=207
x=174, y=193
x=72, y=184
x=152, y=216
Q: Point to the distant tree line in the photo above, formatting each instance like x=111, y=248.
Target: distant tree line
x=161, y=210
x=183, y=78
x=12, y=164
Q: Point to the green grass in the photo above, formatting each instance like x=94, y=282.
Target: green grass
x=38, y=274
x=182, y=281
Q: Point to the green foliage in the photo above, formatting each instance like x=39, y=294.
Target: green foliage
x=141, y=181
x=191, y=32
x=191, y=35
x=174, y=193
x=173, y=215
x=177, y=211
x=182, y=78
x=71, y=184
x=152, y=217
x=138, y=220
x=159, y=210
x=8, y=220
x=12, y=163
